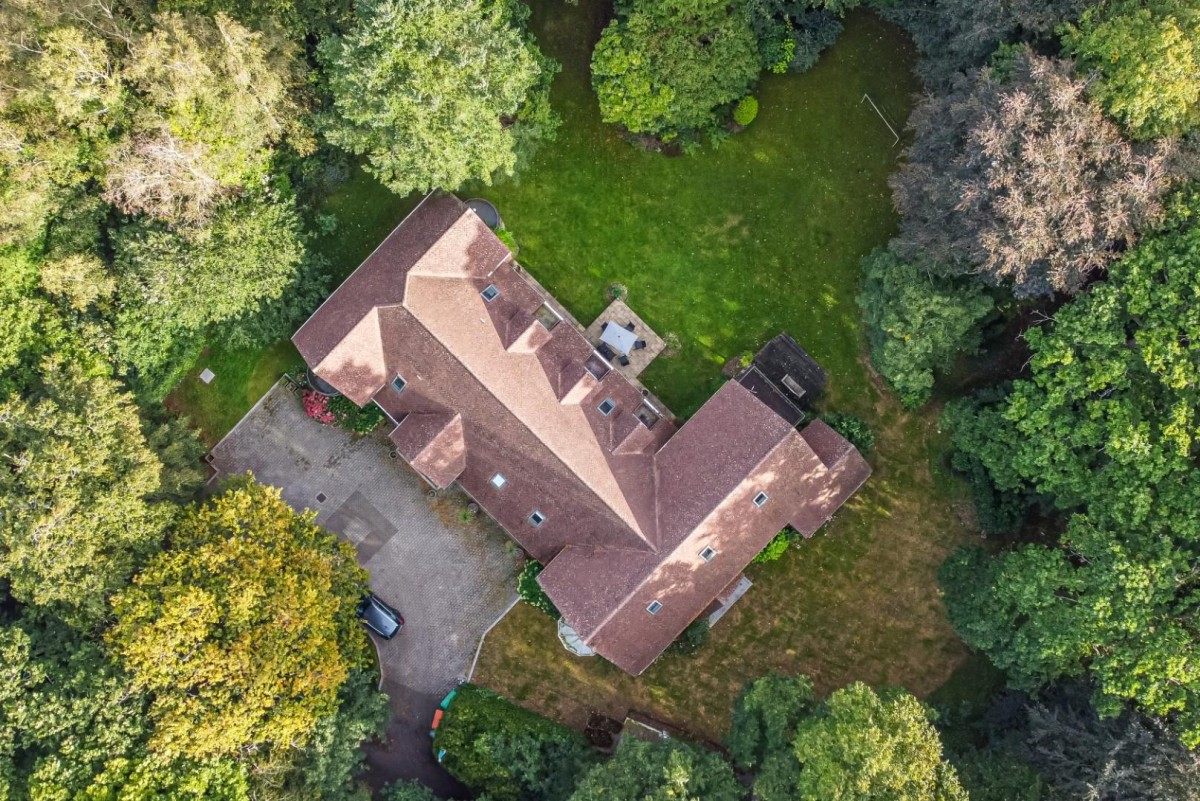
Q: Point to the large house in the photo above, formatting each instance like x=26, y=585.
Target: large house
x=640, y=524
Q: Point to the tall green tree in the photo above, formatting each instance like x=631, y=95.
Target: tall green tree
x=495, y=747
x=917, y=323
x=435, y=93
x=956, y=36
x=1105, y=428
x=765, y=719
x=1147, y=57
x=664, y=67
x=176, y=281
x=244, y=630
x=864, y=746
x=669, y=770
x=72, y=726
x=75, y=492
x=214, y=100
x=1016, y=177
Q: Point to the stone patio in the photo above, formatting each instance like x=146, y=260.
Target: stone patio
x=619, y=313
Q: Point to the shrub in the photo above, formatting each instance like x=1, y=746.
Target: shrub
x=917, y=323
x=746, y=110
x=774, y=550
x=316, y=406
x=531, y=592
x=692, y=639
x=510, y=241
x=511, y=753
x=347, y=415
x=852, y=428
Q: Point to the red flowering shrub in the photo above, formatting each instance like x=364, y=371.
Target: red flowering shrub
x=316, y=406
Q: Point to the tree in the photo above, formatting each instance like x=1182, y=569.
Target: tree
x=298, y=17
x=765, y=719
x=73, y=727
x=1127, y=758
x=244, y=629
x=75, y=492
x=26, y=321
x=176, y=281
x=861, y=745
x=216, y=98
x=956, y=36
x=328, y=767
x=510, y=753
x=408, y=791
x=916, y=323
x=669, y=770
x=1104, y=428
x=1147, y=56
x=436, y=92
x=664, y=67
x=1023, y=181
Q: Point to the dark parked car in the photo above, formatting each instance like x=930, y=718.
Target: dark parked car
x=379, y=617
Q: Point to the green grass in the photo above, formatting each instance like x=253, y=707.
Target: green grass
x=726, y=248
x=729, y=246
x=242, y=376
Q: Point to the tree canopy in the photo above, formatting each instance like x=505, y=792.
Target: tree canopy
x=1147, y=56
x=1016, y=177
x=435, y=93
x=870, y=747
x=917, y=322
x=173, y=162
x=75, y=494
x=669, y=770
x=244, y=629
x=664, y=67
x=1104, y=428
x=955, y=36
x=856, y=744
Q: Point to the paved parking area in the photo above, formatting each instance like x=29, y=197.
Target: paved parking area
x=449, y=580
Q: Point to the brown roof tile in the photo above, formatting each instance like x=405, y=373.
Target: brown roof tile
x=627, y=509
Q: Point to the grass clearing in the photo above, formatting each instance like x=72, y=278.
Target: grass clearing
x=725, y=249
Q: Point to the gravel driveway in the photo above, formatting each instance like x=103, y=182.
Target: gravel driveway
x=450, y=580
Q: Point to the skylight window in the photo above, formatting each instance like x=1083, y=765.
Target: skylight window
x=606, y=408
x=760, y=499
x=398, y=384
x=490, y=293
x=708, y=553
x=654, y=606
x=537, y=518
x=498, y=481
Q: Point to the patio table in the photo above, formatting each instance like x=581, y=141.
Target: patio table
x=620, y=339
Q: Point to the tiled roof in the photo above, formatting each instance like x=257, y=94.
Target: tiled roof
x=626, y=509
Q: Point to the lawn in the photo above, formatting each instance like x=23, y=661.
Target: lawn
x=724, y=248
x=727, y=247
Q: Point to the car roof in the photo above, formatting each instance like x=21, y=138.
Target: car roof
x=376, y=615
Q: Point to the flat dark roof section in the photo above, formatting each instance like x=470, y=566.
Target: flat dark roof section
x=791, y=370
x=762, y=388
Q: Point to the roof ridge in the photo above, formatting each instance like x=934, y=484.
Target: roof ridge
x=635, y=528
x=625, y=599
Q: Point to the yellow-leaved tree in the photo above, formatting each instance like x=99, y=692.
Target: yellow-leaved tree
x=244, y=628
